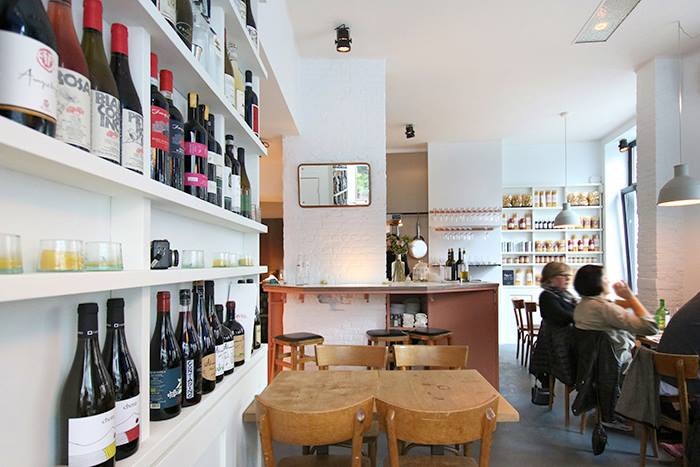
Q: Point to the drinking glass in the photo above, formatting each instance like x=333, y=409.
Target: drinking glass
x=10, y=254
x=220, y=259
x=192, y=259
x=60, y=255
x=103, y=256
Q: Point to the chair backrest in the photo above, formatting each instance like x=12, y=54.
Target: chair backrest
x=518, y=307
x=370, y=356
x=451, y=357
x=682, y=368
x=439, y=428
x=313, y=428
x=530, y=310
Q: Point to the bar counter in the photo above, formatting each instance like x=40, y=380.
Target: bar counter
x=469, y=310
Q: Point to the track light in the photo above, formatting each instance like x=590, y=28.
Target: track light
x=623, y=146
x=342, y=39
x=410, y=133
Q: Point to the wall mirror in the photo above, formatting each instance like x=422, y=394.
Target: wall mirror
x=334, y=185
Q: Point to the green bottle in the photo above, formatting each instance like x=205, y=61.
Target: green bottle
x=660, y=315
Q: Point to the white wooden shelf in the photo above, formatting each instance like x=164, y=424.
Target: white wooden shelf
x=248, y=55
x=25, y=150
x=188, y=74
x=164, y=435
x=530, y=208
x=29, y=286
x=517, y=231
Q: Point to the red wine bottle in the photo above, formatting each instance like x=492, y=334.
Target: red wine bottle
x=246, y=200
x=238, y=333
x=195, y=151
x=132, y=115
x=165, y=373
x=29, y=71
x=211, y=154
x=206, y=338
x=105, y=111
x=177, y=133
x=220, y=349
x=257, y=330
x=250, y=23
x=160, y=129
x=191, y=353
x=87, y=411
x=227, y=334
x=73, y=92
x=252, y=111
x=125, y=380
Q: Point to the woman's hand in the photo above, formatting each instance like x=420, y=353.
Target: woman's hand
x=622, y=290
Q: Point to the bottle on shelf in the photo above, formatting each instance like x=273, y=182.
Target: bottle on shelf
x=206, y=338
x=238, y=333
x=246, y=200
x=250, y=24
x=234, y=166
x=176, y=133
x=227, y=334
x=211, y=153
x=160, y=129
x=131, y=114
x=184, y=21
x=660, y=315
x=458, y=266
x=218, y=159
x=219, y=347
x=105, y=109
x=188, y=341
x=28, y=48
x=200, y=33
x=73, y=85
x=196, y=141
x=215, y=64
x=242, y=9
x=166, y=359
x=252, y=111
x=168, y=8
x=239, y=81
x=229, y=76
x=87, y=408
x=257, y=330
x=125, y=381
x=449, y=264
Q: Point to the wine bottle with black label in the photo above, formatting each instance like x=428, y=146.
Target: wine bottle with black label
x=87, y=408
x=206, y=338
x=191, y=352
x=165, y=374
x=238, y=333
x=220, y=348
x=105, y=111
x=211, y=154
x=227, y=334
x=160, y=129
x=196, y=151
x=177, y=133
x=125, y=379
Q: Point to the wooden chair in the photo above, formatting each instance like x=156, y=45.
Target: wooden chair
x=531, y=329
x=438, y=428
x=315, y=428
x=443, y=357
x=387, y=337
x=567, y=399
x=520, y=322
x=431, y=336
x=683, y=368
x=297, y=356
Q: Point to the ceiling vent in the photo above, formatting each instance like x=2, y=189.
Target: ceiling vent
x=605, y=20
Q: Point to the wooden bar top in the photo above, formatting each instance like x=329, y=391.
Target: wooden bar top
x=383, y=289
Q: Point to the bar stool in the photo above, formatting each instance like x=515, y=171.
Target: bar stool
x=388, y=337
x=431, y=336
x=296, y=342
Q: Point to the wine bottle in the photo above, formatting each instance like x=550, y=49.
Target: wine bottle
x=250, y=23
x=168, y=8
x=211, y=154
x=125, y=380
x=105, y=111
x=238, y=333
x=132, y=115
x=218, y=159
x=29, y=72
x=200, y=33
x=206, y=338
x=177, y=133
x=215, y=57
x=235, y=178
x=257, y=330
x=240, y=82
x=227, y=334
x=160, y=129
x=252, y=111
x=165, y=375
x=73, y=91
x=191, y=353
x=184, y=22
x=195, y=151
x=220, y=348
x=229, y=76
x=87, y=435
x=246, y=202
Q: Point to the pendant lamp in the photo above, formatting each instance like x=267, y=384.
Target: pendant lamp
x=566, y=218
x=682, y=189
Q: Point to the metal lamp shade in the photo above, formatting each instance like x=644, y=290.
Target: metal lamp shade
x=566, y=218
x=681, y=190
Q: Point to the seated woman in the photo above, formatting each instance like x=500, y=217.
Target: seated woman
x=554, y=352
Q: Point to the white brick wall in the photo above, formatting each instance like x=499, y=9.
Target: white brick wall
x=342, y=118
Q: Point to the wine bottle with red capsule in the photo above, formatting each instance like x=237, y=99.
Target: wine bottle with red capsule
x=177, y=133
x=160, y=129
x=196, y=150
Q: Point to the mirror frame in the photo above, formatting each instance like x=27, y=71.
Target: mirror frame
x=369, y=175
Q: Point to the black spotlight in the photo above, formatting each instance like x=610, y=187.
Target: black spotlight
x=410, y=133
x=623, y=146
x=342, y=39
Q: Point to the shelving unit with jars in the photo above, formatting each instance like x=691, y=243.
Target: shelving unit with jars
x=529, y=239
x=51, y=190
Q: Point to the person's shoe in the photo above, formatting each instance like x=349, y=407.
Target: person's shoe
x=618, y=425
x=673, y=450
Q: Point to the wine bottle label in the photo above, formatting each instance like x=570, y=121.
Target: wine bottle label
x=220, y=359
x=209, y=367
x=235, y=193
x=240, y=101
x=91, y=440
x=196, y=149
x=126, y=420
x=194, y=179
x=160, y=128
x=168, y=8
x=258, y=338
x=177, y=139
x=189, y=379
x=239, y=348
x=106, y=122
x=230, y=90
x=185, y=31
x=227, y=188
x=28, y=76
x=166, y=388
x=211, y=187
x=256, y=119
x=229, y=356
x=73, y=108
x=132, y=140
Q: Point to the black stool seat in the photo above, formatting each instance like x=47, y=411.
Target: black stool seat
x=386, y=333
x=429, y=331
x=297, y=337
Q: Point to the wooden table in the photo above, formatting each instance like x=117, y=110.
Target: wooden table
x=651, y=341
x=433, y=390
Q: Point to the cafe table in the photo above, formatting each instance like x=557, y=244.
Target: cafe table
x=651, y=341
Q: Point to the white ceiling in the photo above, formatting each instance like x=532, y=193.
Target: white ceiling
x=482, y=70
